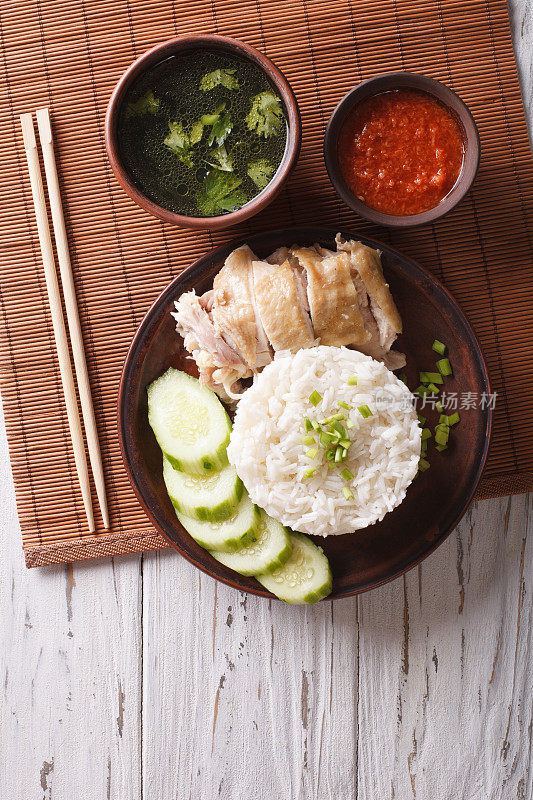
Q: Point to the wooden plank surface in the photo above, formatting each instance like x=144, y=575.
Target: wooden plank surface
x=142, y=679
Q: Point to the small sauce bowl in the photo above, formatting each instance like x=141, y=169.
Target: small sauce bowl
x=180, y=46
x=388, y=82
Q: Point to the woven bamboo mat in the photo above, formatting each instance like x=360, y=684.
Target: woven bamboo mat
x=69, y=56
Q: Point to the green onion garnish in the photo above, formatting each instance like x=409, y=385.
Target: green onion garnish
x=421, y=419
x=441, y=437
x=444, y=366
x=315, y=426
x=347, y=475
x=326, y=438
x=308, y=439
x=309, y=472
x=453, y=419
x=421, y=390
x=364, y=411
x=347, y=493
x=308, y=424
x=338, y=454
x=315, y=398
x=349, y=424
x=339, y=428
x=402, y=377
x=345, y=443
x=438, y=347
x=352, y=380
x=434, y=377
x=344, y=453
x=439, y=406
x=312, y=452
x=423, y=377
x=330, y=455
x=443, y=420
x=426, y=434
x=432, y=388
x=342, y=404
x=441, y=447
x=423, y=465
x=424, y=449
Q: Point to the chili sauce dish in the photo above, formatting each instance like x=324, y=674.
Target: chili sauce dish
x=402, y=149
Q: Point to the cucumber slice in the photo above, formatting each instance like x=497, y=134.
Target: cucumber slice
x=227, y=536
x=189, y=422
x=212, y=497
x=304, y=578
x=270, y=550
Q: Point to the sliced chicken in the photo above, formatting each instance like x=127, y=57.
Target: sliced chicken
x=367, y=263
x=332, y=297
x=234, y=312
x=285, y=321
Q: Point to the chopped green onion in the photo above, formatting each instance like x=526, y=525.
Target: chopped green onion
x=338, y=415
x=402, y=377
x=441, y=437
x=345, y=443
x=344, y=453
x=421, y=390
x=439, y=406
x=347, y=475
x=349, y=424
x=365, y=411
x=342, y=404
x=443, y=420
x=338, y=454
x=434, y=377
x=453, y=419
x=315, y=425
x=442, y=427
x=432, y=388
x=421, y=419
x=308, y=439
x=339, y=428
x=330, y=455
x=423, y=377
x=352, y=380
x=308, y=424
x=309, y=472
x=438, y=347
x=441, y=447
x=312, y=452
x=424, y=449
x=423, y=465
x=326, y=438
x=347, y=493
x=426, y=434
x=444, y=366
x=315, y=398
x=331, y=465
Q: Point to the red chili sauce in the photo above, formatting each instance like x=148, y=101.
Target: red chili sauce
x=400, y=152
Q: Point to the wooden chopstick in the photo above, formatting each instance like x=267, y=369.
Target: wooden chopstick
x=73, y=319
x=54, y=298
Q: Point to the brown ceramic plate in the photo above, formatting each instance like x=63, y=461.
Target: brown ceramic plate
x=435, y=501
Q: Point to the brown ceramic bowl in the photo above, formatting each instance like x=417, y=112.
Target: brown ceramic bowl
x=179, y=46
x=386, y=83
x=436, y=500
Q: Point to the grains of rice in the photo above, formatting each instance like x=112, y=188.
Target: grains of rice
x=267, y=450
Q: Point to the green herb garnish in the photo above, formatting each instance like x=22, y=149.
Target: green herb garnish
x=266, y=115
x=220, y=159
x=147, y=104
x=438, y=347
x=219, y=77
x=423, y=465
x=220, y=192
x=260, y=172
x=315, y=398
x=444, y=366
x=221, y=129
x=347, y=493
x=352, y=380
x=365, y=411
x=347, y=475
x=179, y=142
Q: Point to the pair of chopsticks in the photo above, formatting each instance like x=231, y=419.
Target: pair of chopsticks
x=58, y=323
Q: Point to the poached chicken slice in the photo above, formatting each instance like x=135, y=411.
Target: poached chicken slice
x=285, y=321
x=332, y=297
x=234, y=312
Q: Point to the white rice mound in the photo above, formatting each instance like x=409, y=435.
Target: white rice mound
x=267, y=451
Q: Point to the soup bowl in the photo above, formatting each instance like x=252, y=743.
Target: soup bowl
x=183, y=45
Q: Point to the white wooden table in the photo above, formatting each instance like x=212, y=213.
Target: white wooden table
x=143, y=679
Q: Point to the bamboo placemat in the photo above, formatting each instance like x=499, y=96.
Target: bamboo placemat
x=69, y=56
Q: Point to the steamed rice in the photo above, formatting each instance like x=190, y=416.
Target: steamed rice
x=267, y=450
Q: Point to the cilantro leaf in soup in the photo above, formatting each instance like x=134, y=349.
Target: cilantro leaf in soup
x=266, y=115
x=220, y=130
x=260, y=172
x=179, y=142
x=219, y=77
x=197, y=130
x=220, y=192
x=220, y=158
x=147, y=104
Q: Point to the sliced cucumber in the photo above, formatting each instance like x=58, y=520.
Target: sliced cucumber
x=271, y=549
x=189, y=422
x=212, y=497
x=227, y=536
x=304, y=578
